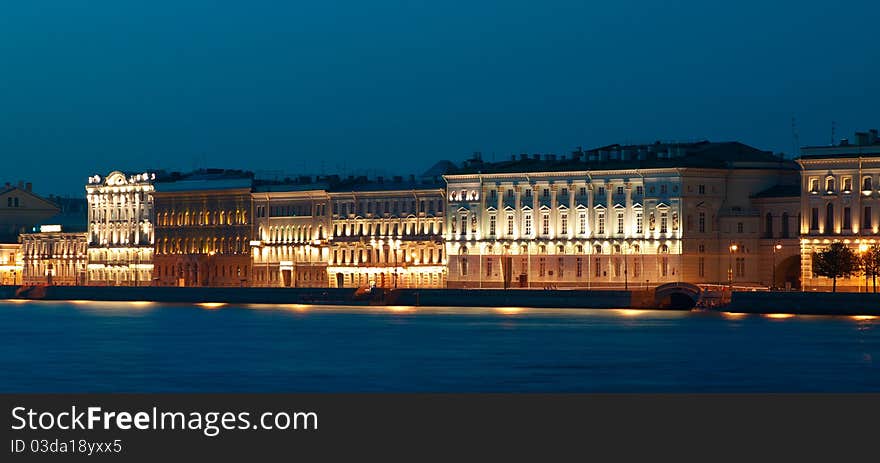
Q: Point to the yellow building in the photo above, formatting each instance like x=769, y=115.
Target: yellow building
x=840, y=201
x=387, y=234
x=11, y=264
x=51, y=256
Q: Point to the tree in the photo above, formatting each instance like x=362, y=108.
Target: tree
x=838, y=261
x=871, y=264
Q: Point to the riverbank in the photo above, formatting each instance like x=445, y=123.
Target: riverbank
x=804, y=303
x=597, y=299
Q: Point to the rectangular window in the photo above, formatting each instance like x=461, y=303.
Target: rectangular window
x=640, y=190
x=664, y=222
x=739, y=227
x=546, y=193
x=639, y=222
x=601, y=191
x=620, y=223
x=814, y=218
x=563, y=226
x=702, y=222
x=847, y=219
x=582, y=191
x=491, y=225
x=463, y=228
x=560, y=267
x=867, y=221
x=702, y=266
x=598, y=267
x=580, y=267
x=637, y=269
x=527, y=224
x=510, y=225
x=620, y=190
x=563, y=192
x=582, y=223
x=662, y=189
x=847, y=184
x=601, y=223
x=702, y=190
x=814, y=185
x=545, y=224
x=489, y=267
x=740, y=266
x=528, y=193
x=542, y=267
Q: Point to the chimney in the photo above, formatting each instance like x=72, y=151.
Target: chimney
x=523, y=156
x=873, y=136
x=28, y=186
x=21, y=184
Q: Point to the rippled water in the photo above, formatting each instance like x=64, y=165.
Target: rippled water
x=146, y=347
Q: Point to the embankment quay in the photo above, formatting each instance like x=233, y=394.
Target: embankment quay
x=669, y=297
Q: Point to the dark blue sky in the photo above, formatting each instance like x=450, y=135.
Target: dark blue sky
x=391, y=86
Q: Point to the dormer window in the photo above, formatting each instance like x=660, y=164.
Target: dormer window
x=814, y=185
x=867, y=185
x=847, y=184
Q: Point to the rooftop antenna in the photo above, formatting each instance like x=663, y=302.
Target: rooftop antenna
x=795, y=138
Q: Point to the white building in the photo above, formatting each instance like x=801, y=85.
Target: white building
x=614, y=217
x=120, y=229
x=839, y=202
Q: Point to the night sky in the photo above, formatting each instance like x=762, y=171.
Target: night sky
x=388, y=87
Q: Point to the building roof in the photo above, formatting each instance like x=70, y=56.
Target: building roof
x=779, y=191
x=205, y=180
x=865, y=144
x=702, y=154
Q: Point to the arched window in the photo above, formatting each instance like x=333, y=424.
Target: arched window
x=598, y=248
x=785, y=224
x=866, y=184
x=829, y=184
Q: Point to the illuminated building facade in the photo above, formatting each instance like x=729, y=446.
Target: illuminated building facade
x=51, y=256
x=11, y=264
x=387, y=234
x=120, y=229
x=203, y=229
x=615, y=217
x=839, y=202
x=291, y=235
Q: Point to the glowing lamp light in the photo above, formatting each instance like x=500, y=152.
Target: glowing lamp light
x=211, y=305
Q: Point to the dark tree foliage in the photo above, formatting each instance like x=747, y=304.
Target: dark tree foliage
x=838, y=261
x=871, y=264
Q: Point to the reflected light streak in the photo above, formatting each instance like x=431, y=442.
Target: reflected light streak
x=779, y=316
x=734, y=314
x=401, y=308
x=141, y=303
x=630, y=312
x=509, y=310
x=211, y=305
x=863, y=317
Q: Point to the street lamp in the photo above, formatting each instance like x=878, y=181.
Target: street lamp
x=776, y=249
x=733, y=248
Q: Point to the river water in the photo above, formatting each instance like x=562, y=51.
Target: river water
x=81, y=346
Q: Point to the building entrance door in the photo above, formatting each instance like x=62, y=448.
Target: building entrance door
x=286, y=277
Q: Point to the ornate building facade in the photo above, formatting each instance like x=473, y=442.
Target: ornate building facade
x=121, y=229
x=387, y=234
x=54, y=257
x=291, y=235
x=839, y=203
x=203, y=229
x=614, y=217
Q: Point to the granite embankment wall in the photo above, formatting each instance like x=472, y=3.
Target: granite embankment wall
x=806, y=303
x=512, y=298
x=599, y=299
